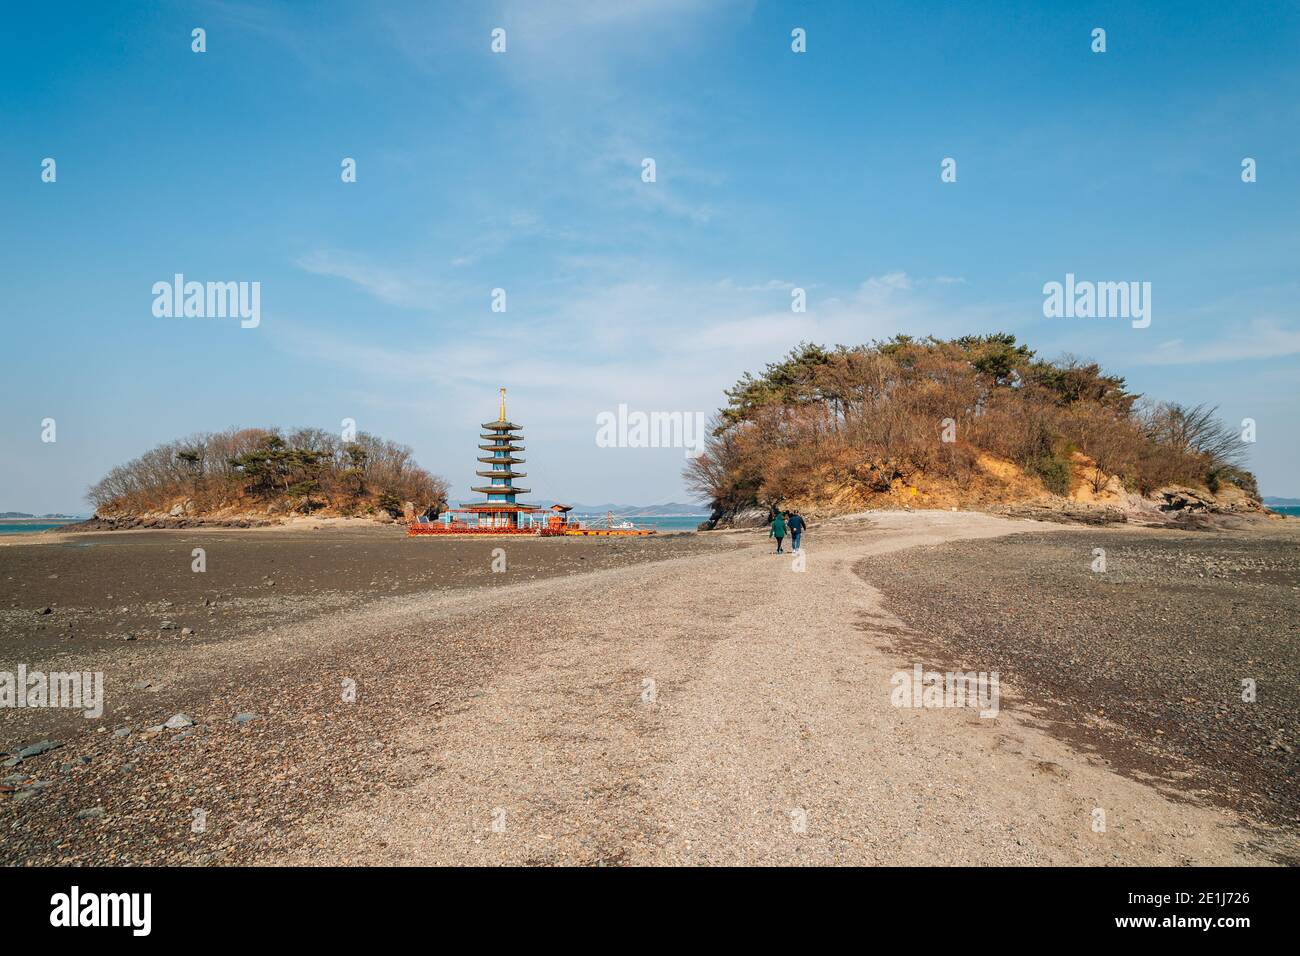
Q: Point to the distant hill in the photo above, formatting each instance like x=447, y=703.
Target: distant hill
x=1282, y=502
x=671, y=509
x=23, y=514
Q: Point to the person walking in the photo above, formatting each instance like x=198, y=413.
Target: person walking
x=778, y=531
x=796, y=524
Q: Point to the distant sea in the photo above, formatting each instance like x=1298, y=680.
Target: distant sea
x=12, y=526
x=671, y=523
x=658, y=522
x=1288, y=510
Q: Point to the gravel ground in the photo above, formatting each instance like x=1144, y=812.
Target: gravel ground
x=705, y=706
x=105, y=588
x=767, y=736
x=1143, y=662
x=278, y=651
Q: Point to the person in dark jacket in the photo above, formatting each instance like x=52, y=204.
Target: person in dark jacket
x=795, y=522
x=778, y=531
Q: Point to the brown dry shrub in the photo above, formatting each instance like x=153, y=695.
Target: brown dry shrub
x=261, y=469
x=867, y=416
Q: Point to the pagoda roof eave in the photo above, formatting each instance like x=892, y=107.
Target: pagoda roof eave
x=496, y=506
x=501, y=490
x=501, y=426
x=511, y=460
x=502, y=447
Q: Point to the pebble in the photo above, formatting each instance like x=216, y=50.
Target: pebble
x=177, y=721
x=31, y=790
x=89, y=813
x=36, y=749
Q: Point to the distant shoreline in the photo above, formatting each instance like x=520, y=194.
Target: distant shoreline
x=19, y=518
x=14, y=526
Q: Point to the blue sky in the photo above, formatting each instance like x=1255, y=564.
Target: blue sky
x=522, y=171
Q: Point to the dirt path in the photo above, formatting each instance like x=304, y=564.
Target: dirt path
x=725, y=709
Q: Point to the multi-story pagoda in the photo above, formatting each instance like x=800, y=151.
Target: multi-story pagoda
x=501, y=514
x=501, y=510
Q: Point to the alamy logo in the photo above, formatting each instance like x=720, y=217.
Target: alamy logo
x=76, y=690
x=209, y=300
x=103, y=909
x=651, y=430
x=1098, y=300
x=922, y=688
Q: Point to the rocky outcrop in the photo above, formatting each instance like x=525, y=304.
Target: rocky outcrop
x=1181, y=506
x=1183, y=498
x=164, y=520
x=1061, y=511
x=745, y=518
x=1229, y=499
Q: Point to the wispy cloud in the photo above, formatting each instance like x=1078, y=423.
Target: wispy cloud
x=595, y=345
x=403, y=288
x=1261, y=339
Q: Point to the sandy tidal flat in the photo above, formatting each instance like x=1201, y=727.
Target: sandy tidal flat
x=691, y=700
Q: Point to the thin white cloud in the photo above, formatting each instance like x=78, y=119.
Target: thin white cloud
x=1260, y=339
x=890, y=281
x=663, y=344
x=404, y=288
x=770, y=285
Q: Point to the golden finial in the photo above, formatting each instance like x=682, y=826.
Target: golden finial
x=503, y=406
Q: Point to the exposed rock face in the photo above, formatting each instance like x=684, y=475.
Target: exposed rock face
x=1228, y=500
x=745, y=518
x=1232, y=498
x=1177, y=505
x=1182, y=498
x=163, y=520
x=1064, y=512
x=751, y=518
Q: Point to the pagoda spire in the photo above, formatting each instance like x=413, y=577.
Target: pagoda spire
x=503, y=406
